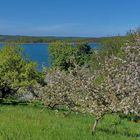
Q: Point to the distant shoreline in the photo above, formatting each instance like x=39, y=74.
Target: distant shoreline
x=20, y=43
x=37, y=43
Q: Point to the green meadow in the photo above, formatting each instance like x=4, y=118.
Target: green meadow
x=36, y=123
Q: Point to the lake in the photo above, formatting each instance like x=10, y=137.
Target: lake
x=39, y=53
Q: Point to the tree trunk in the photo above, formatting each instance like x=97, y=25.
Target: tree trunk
x=94, y=126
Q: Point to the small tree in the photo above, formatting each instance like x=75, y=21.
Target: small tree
x=15, y=71
x=63, y=55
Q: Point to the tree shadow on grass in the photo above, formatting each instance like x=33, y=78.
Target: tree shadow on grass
x=22, y=103
x=113, y=132
x=13, y=102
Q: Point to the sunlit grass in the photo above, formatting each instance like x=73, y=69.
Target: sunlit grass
x=32, y=123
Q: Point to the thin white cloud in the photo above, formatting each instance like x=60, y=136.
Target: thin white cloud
x=67, y=29
x=58, y=29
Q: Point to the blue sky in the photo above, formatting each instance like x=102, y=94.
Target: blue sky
x=87, y=18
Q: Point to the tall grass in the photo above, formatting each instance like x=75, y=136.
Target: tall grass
x=32, y=123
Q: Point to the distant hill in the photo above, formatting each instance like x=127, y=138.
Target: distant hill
x=34, y=39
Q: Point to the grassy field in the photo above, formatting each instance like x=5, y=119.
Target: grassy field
x=34, y=123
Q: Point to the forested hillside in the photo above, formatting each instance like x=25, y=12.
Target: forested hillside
x=43, y=39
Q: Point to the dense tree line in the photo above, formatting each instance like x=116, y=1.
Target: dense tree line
x=42, y=39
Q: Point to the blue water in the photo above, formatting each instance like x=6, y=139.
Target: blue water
x=39, y=53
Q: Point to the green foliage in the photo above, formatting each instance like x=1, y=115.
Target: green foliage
x=65, y=55
x=15, y=70
x=112, y=46
x=82, y=54
x=109, y=47
x=61, y=55
x=133, y=36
